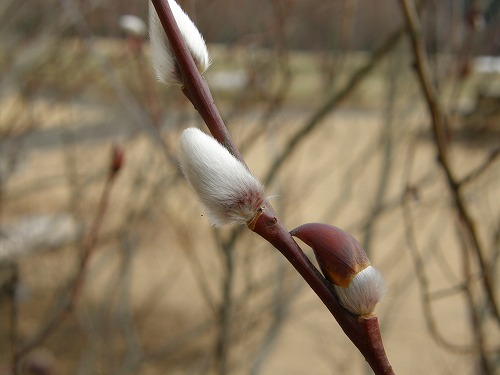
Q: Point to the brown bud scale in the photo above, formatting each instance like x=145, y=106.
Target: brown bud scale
x=339, y=255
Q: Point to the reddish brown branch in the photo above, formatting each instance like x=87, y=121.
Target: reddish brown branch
x=195, y=87
x=364, y=333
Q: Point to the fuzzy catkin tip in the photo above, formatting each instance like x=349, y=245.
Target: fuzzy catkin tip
x=363, y=293
x=227, y=190
x=162, y=57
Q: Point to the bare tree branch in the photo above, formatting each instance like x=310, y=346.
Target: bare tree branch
x=439, y=121
x=88, y=248
x=364, y=333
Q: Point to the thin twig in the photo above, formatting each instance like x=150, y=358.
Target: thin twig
x=485, y=165
x=12, y=287
x=424, y=283
x=89, y=246
x=364, y=333
x=331, y=102
x=280, y=310
x=439, y=121
x=387, y=142
x=476, y=326
x=226, y=305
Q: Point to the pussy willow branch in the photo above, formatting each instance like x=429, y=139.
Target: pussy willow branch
x=89, y=245
x=364, y=333
x=438, y=123
x=195, y=87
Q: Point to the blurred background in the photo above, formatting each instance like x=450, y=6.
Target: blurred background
x=105, y=272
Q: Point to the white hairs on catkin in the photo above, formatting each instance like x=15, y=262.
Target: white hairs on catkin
x=363, y=293
x=228, y=191
x=163, y=60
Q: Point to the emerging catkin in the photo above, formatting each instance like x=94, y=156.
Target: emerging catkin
x=227, y=190
x=363, y=293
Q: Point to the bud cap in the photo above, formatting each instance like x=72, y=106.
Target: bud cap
x=344, y=263
x=339, y=255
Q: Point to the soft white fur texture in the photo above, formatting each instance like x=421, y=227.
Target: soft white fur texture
x=163, y=60
x=363, y=293
x=228, y=191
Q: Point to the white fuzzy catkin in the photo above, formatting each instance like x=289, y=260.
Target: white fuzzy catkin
x=163, y=60
x=364, y=292
x=228, y=191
